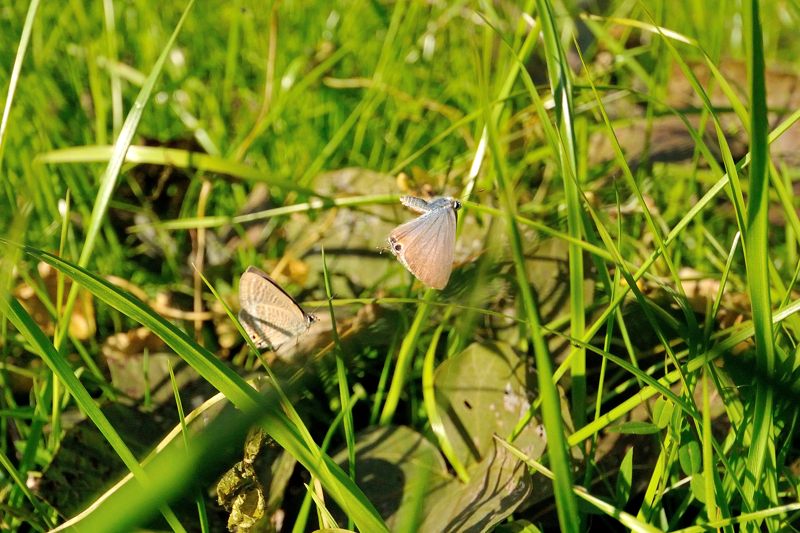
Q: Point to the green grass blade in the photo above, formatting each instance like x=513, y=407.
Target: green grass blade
x=744, y=518
x=108, y=181
x=172, y=470
x=341, y=376
x=756, y=248
x=429, y=399
x=709, y=464
x=637, y=161
x=551, y=405
x=288, y=408
x=231, y=385
x=673, y=235
x=717, y=350
x=624, y=518
x=559, y=73
x=14, y=311
x=404, y=358
x=43, y=515
x=24, y=40
x=171, y=157
x=202, y=515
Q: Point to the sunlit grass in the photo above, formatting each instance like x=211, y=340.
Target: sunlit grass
x=629, y=231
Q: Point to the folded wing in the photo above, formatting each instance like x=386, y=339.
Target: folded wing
x=269, y=315
x=427, y=246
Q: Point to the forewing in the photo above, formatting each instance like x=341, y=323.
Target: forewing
x=269, y=315
x=428, y=246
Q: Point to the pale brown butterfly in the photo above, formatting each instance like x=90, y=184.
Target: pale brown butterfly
x=269, y=315
x=426, y=245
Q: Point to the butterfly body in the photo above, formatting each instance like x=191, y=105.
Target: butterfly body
x=426, y=245
x=269, y=315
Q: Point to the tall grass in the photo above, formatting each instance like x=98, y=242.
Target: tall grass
x=629, y=233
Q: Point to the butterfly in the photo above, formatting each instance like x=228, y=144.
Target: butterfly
x=269, y=316
x=426, y=245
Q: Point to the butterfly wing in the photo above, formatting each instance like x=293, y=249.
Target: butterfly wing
x=426, y=246
x=416, y=204
x=269, y=315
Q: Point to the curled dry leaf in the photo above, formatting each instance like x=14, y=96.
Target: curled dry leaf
x=163, y=303
x=252, y=490
x=131, y=344
x=82, y=322
x=240, y=491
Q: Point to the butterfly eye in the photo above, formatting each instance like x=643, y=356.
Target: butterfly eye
x=456, y=205
x=398, y=247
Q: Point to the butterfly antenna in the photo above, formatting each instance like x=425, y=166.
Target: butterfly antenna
x=447, y=174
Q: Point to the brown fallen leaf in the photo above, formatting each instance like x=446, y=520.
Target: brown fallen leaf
x=82, y=324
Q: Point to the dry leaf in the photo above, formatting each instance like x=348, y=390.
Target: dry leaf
x=82, y=322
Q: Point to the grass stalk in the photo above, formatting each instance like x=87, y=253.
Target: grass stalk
x=760, y=460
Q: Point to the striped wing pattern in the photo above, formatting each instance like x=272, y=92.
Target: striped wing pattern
x=268, y=314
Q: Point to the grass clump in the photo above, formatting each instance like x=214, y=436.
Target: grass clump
x=615, y=347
